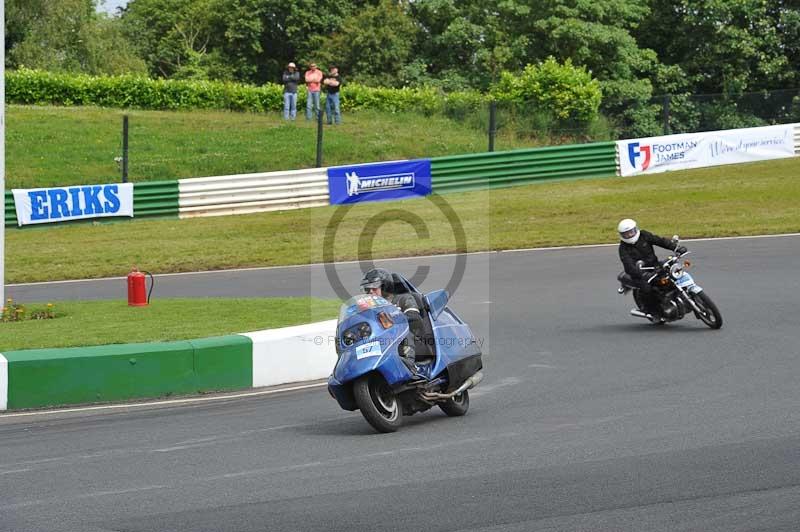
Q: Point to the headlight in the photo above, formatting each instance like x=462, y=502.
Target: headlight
x=676, y=270
x=364, y=330
x=349, y=338
x=356, y=333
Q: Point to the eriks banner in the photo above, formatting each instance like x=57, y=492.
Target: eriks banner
x=47, y=205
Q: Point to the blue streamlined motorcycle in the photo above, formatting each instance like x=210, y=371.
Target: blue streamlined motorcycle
x=370, y=376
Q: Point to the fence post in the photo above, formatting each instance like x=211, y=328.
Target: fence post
x=492, y=123
x=666, y=114
x=319, y=138
x=125, y=148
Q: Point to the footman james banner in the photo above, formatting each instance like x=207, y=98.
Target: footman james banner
x=47, y=205
x=379, y=181
x=696, y=150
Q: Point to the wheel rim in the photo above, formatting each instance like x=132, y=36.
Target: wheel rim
x=384, y=400
x=459, y=399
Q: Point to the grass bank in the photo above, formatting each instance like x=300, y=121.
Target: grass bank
x=745, y=199
x=53, y=146
x=88, y=323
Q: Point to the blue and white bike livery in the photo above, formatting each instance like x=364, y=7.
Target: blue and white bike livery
x=370, y=376
x=678, y=292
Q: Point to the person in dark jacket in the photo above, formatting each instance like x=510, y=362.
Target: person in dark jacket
x=291, y=77
x=332, y=83
x=635, y=250
x=380, y=282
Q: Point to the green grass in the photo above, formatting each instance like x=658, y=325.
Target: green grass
x=745, y=199
x=54, y=146
x=90, y=323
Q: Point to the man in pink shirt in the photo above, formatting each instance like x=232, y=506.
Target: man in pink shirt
x=313, y=79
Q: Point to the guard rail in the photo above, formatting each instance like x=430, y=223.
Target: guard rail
x=249, y=193
x=502, y=169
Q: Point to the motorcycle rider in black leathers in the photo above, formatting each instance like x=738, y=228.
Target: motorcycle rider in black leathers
x=635, y=249
x=380, y=282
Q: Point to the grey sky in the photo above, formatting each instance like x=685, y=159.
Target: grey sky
x=110, y=6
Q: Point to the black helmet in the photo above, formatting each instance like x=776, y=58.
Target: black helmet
x=378, y=277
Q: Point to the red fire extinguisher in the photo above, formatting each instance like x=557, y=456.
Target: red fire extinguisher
x=136, y=288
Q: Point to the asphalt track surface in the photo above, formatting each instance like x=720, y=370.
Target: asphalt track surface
x=588, y=419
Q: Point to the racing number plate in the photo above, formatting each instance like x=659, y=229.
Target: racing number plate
x=686, y=281
x=371, y=349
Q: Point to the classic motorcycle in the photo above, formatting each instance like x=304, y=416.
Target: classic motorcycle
x=677, y=291
x=370, y=376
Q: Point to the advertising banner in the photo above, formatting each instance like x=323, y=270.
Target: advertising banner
x=47, y=205
x=697, y=150
x=379, y=181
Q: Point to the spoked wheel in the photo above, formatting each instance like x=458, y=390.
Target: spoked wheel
x=709, y=312
x=456, y=405
x=378, y=404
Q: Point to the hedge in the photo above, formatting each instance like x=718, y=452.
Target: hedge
x=34, y=87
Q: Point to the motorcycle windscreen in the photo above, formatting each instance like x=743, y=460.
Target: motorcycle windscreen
x=360, y=303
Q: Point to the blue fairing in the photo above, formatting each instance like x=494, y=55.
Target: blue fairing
x=377, y=349
x=454, y=341
x=376, y=352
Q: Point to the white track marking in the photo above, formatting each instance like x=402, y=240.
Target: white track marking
x=189, y=400
x=292, y=266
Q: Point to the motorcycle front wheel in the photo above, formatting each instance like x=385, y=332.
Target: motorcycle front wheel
x=709, y=312
x=378, y=404
x=456, y=405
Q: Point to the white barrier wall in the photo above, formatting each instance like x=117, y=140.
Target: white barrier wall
x=700, y=150
x=3, y=383
x=248, y=193
x=293, y=354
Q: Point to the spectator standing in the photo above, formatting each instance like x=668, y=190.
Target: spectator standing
x=313, y=79
x=333, y=82
x=291, y=77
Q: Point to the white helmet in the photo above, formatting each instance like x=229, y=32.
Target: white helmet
x=628, y=231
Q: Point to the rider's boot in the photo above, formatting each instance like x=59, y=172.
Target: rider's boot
x=413, y=368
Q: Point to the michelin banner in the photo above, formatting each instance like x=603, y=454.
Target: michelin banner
x=379, y=181
x=696, y=150
x=47, y=205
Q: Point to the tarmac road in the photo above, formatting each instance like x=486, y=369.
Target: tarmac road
x=588, y=419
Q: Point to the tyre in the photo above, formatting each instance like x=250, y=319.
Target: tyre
x=378, y=404
x=456, y=405
x=709, y=313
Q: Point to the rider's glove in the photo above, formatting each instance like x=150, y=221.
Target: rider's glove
x=680, y=250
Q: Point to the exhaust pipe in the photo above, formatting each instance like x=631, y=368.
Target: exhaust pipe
x=469, y=383
x=640, y=314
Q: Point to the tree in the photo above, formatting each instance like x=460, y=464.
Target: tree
x=372, y=45
x=68, y=35
x=597, y=34
x=174, y=37
x=246, y=40
x=468, y=43
x=729, y=46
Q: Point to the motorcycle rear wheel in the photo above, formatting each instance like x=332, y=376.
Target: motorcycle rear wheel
x=710, y=313
x=457, y=405
x=378, y=404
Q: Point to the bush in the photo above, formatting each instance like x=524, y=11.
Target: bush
x=565, y=92
x=34, y=87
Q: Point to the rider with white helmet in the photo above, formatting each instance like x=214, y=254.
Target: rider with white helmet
x=635, y=249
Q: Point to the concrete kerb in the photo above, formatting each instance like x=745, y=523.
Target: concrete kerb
x=39, y=378
x=293, y=354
